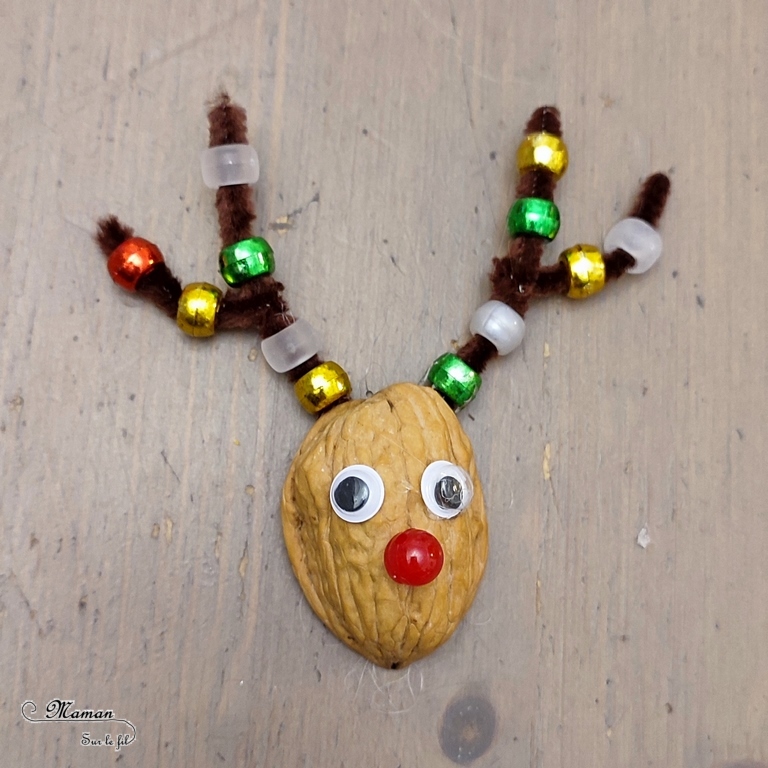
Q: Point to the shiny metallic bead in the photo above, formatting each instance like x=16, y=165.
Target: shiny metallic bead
x=229, y=164
x=500, y=324
x=543, y=150
x=131, y=260
x=587, y=270
x=246, y=259
x=533, y=216
x=639, y=239
x=290, y=347
x=198, y=305
x=324, y=385
x=454, y=379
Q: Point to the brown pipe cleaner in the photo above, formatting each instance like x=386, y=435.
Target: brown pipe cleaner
x=648, y=206
x=259, y=303
x=256, y=305
x=514, y=277
x=519, y=276
x=227, y=124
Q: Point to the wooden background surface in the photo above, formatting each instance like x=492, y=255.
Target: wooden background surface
x=141, y=558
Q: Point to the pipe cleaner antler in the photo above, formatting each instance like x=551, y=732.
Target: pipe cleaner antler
x=254, y=300
x=518, y=277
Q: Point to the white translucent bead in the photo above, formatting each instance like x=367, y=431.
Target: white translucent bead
x=229, y=164
x=639, y=239
x=290, y=347
x=500, y=324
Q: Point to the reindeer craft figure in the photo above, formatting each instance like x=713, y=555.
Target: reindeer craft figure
x=382, y=509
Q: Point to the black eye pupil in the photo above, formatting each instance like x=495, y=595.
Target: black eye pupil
x=448, y=493
x=351, y=494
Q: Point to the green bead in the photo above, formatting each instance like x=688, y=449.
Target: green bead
x=533, y=216
x=454, y=379
x=245, y=260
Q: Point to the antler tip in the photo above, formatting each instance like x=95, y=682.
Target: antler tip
x=652, y=199
x=227, y=121
x=111, y=232
x=547, y=119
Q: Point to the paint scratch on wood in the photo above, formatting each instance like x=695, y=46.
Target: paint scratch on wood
x=242, y=568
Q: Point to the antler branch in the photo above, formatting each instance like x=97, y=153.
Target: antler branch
x=257, y=304
x=649, y=206
x=137, y=265
x=514, y=277
x=518, y=277
x=158, y=285
x=228, y=124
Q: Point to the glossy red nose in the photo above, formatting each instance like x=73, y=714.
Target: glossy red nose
x=413, y=557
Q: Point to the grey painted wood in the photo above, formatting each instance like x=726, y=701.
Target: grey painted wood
x=141, y=562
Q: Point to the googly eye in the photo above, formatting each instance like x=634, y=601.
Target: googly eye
x=446, y=489
x=357, y=493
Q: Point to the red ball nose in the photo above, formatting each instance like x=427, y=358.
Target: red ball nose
x=413, y=557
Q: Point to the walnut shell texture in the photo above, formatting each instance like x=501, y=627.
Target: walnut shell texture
x=340, y=566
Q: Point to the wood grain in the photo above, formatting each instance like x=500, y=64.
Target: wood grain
x=141, y=562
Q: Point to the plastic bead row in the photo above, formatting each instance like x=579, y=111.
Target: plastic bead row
x=536, y=215
x=500, y=324
x=227, y=165
x=238, y=263
x=320, y=387
x=327, y=383
x=455, y=379
x=287, y=349
x=451, y=376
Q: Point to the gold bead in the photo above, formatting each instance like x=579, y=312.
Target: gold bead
x=543, y=150
x=586, y=268
x=322, y=386
x=198, y=305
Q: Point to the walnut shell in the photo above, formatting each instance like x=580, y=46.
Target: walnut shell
x=340, y=565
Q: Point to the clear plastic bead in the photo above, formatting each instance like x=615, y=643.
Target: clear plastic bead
x=639, y=239
x=500, y=324
x=229, y=164
x=290, y=347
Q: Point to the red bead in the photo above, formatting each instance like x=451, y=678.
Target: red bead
x=413, y=557
x=131, y=260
